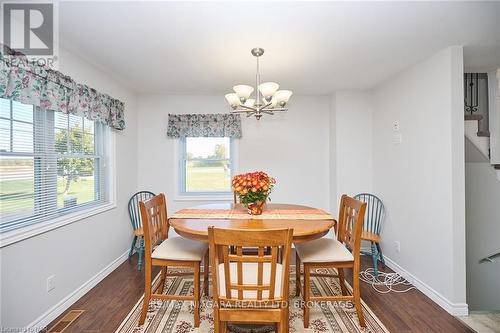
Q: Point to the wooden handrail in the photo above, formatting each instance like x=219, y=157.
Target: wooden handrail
x=490, y=257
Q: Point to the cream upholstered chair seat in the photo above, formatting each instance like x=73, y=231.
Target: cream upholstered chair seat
x=250, y=273
x=177, y=248
x=323, y=250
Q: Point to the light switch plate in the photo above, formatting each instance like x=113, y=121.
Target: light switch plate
x=395, y=126
x=51, y=283
x=397, y=246
x=397, y=138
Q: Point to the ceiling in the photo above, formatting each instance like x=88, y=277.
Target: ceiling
x=311, y=47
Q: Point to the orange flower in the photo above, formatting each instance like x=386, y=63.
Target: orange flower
x=253, y=186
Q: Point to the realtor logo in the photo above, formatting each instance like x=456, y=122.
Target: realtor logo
x=29, y=27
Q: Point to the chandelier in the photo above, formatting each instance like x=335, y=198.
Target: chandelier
x=268, y=99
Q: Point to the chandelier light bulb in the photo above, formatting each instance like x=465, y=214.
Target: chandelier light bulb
x=243, y=91
x=267, y=89
x=282, y=97
x=274, y=102
x=233, y=100
x=250, y=102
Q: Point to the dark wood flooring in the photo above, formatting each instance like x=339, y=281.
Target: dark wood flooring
x=108, y=303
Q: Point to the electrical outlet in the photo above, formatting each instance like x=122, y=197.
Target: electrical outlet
x=51, y=283
x=397, y=246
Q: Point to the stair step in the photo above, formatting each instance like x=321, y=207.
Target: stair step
x=483, y=133
x=473, y=117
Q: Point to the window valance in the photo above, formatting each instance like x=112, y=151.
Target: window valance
x=29, y=83
x=204, y=125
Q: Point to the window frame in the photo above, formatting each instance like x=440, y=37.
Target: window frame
x=35, y=225
x=180, y=175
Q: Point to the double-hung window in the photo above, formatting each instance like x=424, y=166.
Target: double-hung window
x=51, y=164
x=206, y=166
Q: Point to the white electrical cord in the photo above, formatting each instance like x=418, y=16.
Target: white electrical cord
x=385, y=280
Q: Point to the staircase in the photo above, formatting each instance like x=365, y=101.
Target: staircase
x=477, y=145
x=482, y=322
x=482, y=114
x=482, y=147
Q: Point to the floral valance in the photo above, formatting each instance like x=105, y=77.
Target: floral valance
x=205, y=125
x=29, y=83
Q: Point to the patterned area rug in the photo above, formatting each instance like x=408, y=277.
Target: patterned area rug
x=177, y=316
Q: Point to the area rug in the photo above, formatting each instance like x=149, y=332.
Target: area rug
x=177, y=316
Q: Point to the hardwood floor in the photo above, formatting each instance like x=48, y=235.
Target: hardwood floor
x=107, y=304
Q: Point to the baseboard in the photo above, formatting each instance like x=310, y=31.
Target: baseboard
x=41, y=322
x=455, y=309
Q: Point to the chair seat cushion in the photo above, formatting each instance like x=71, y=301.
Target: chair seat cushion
x=178, y=248
x=250, y=273
x=323, y=250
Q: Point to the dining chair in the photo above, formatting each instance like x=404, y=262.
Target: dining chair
x=167, y=252
x=375, y=213
x=340, y=253
x=135, y=219
x=250, y=288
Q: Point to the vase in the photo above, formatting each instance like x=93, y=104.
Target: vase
x=256, y=208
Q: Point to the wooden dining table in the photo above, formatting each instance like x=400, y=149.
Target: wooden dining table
x=308, y=223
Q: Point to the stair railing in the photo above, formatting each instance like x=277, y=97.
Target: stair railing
x=490, y=257
x=476, y=99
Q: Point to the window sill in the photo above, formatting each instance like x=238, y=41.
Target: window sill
x=225, y=197
x=29, y=231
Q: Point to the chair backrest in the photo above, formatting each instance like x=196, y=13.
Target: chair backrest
x=351, y=216
x=250, y=279
x=133, y=207
x=154, y=216
x=375, y=212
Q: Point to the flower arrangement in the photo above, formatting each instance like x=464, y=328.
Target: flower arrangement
x=253, y=189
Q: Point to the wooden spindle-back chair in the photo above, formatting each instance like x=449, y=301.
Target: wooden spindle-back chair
x=163, y=251
x=375, y=213
x=250, y=288
x=135, y=219
x=340, y=253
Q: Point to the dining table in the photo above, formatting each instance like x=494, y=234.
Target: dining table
x=308, y=223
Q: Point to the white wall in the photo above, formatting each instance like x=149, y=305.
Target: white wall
x=421, y=180
x=292, y=147
x=76, y=252
x=483, y=227
x=494, y=114
x=351, y=143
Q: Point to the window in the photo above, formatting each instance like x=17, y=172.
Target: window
x=51, y=164
x=206, y=166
